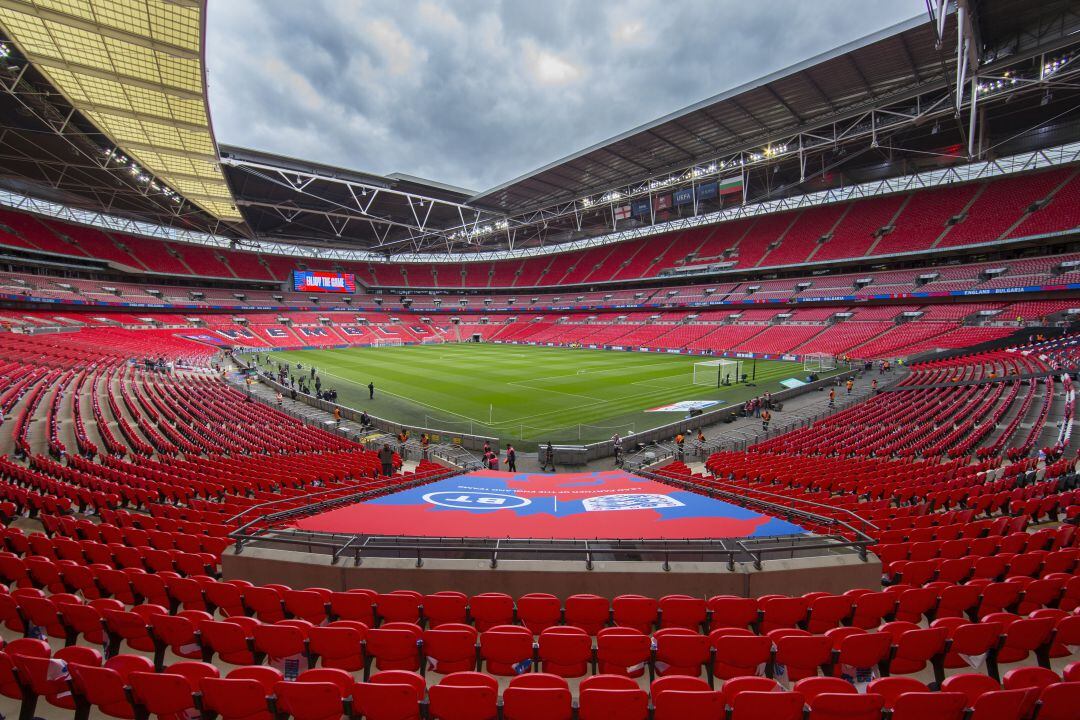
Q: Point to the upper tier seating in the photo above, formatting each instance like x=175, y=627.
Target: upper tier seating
x=952, y=216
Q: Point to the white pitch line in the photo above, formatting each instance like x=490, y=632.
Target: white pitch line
x=408, y=399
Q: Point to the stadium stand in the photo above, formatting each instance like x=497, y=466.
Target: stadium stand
x=978, y=580
x=990, y=210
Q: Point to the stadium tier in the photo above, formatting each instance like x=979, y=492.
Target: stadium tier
x=1004, y=209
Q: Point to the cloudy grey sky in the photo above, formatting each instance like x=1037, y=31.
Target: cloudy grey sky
x=475, y=93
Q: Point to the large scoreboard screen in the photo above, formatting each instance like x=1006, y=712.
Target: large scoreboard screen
x=325, y=282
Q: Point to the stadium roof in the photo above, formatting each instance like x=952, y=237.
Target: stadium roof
x=897, y=60
x=832, y=85
x=130, y=75
x=892, y=64
x=310, y=203
x=133, y=68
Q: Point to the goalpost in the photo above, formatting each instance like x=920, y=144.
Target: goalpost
x=818, y=362
x=386, y=342
x=715, y=373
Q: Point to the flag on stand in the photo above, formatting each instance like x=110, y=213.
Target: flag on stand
x=622, y=212
x=730, y=185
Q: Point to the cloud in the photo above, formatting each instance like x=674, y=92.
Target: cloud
x=477, y=93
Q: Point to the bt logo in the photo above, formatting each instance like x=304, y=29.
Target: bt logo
x=475, y=501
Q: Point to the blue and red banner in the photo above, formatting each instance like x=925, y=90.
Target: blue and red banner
x=610, y=504
x=327, y=282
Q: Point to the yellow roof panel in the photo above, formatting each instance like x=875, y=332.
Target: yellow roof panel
x=134, y=69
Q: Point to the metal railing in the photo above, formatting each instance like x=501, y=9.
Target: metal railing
x=730, y=551
x=365, y=491
x=736, y=494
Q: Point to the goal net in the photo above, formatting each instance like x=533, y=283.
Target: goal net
x=818, y=362
x=386, y=342
x=717, y=372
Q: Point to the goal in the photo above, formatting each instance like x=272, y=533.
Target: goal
x=386, y=342
x=718, y=372
x=818, y=362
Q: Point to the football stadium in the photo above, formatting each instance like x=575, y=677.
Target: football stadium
x=761, y=409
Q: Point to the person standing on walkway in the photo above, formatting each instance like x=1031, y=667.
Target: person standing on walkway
x=511, y=458
x=548, y=454
x=386, y=457
x=832, y=397
x=766, y=416
x=371, y=390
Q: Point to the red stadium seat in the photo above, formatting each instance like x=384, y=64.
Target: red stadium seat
x=679, y=697
x=929, y=706
x=388, y=700
x=635, y=611
x=537, y=696
x=394, y=646
x=489, y=610
x=681, y=652
x=622, y=651
x=450, y=648
x=588, y=612
x=103, y=687
x=612, y=696
x=506, y=649
x=338, y=645
x=845, y=706
x=539, y=611
x=464, y=696
x=240, y=695
x=171, y=692
x=752, y=705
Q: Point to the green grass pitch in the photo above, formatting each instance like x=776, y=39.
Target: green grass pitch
x=520, y=393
